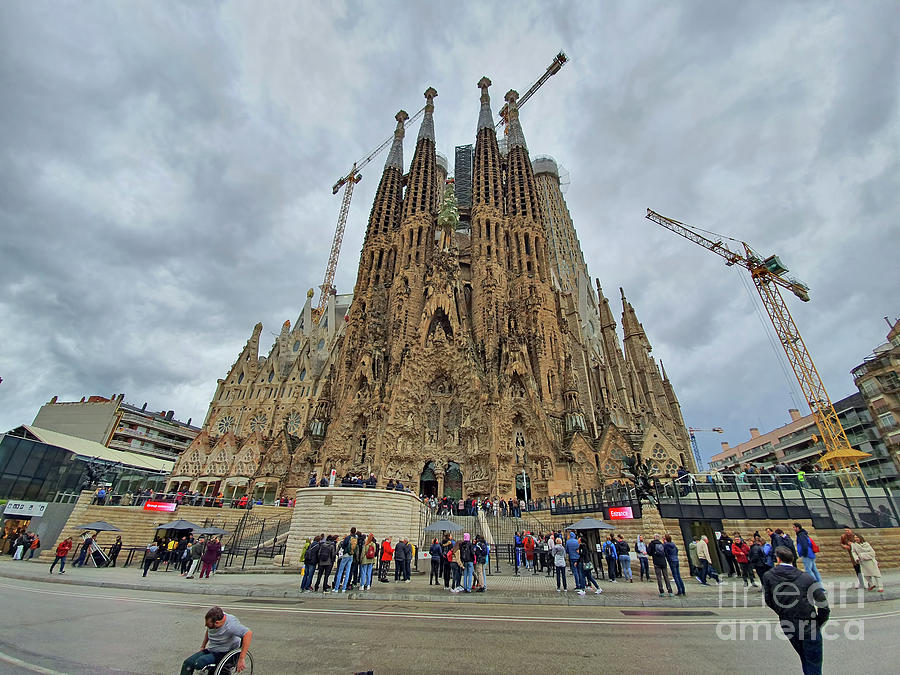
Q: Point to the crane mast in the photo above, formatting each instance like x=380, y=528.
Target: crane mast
x=769, y=277
x=696, y=447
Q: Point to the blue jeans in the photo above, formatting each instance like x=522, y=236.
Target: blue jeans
x=577, y=573
x=676, y=577
x=707, y=570
x=200, y=660
x=810, y=652
x=468, y=573
x=308, y=571
x=626, y=565
x=343, y=572
x=809, y=564
x=365, y=574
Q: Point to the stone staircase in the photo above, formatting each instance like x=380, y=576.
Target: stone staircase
x=139, y=526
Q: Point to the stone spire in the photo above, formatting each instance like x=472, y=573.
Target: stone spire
x=515, y=138
x=395, y=156
x=485, y=117
x=427, y=128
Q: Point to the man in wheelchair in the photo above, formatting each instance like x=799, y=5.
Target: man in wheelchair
x=224, y=633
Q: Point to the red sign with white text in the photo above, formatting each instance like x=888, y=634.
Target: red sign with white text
x=159, y=506
x=621, y=513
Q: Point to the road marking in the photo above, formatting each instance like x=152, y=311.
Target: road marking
x=618, y=620
x=6, y=658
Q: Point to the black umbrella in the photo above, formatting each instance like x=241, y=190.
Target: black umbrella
x=100, y=526
x=178, y=525
x=443, y=525
x=590, y=524
x=210, y=530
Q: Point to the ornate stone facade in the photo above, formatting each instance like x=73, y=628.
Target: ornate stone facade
x=467, y=357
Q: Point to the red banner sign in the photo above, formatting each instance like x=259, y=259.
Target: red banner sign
x=159, y=506
x=621, y=513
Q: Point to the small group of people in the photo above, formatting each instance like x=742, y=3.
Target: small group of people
x=186, y=554
x=460, y=564
x=22, y=544
x=349, y=480
x=353, y=558
x=578, y=553
x=862, y=557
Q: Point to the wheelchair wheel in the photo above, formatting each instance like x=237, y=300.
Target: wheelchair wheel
x=228, y=664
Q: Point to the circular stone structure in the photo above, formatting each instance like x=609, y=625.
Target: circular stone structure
x=334, y=510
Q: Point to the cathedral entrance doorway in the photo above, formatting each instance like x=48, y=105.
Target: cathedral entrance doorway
x=428, y=485
x=453, y=481
x=523, y=486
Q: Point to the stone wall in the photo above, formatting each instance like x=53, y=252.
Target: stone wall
x=385, y=513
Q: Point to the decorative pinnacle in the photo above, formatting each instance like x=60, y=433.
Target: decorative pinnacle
x=515, y=137
x=485, y=118
x=395, y=157
x=427, y=128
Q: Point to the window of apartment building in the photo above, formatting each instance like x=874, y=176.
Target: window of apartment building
x=869, y=387
x=887, y=421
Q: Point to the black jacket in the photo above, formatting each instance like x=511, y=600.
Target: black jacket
x=327, y=553
x=757, y=556
x=402, y=552
x=787, y=593
x=657, y=551
x=466, y=552
x=435, y=552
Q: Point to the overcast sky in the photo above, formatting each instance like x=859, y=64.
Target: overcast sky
x=166, y=173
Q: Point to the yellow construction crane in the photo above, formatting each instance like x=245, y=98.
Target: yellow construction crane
x=769, y=276
x=350, y=179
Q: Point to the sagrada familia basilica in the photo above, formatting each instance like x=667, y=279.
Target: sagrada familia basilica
x=473, y=358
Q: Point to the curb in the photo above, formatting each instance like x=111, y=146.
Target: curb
x=488, y=598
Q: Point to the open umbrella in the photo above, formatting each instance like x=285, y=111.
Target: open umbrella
x=210, y=530
x=443, y=525
x=100, y=526
x=178, y=525
x=590, y=524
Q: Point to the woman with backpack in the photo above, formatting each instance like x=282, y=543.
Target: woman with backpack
x=370, y=550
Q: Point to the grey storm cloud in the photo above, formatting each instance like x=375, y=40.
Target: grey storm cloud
x=165, y=174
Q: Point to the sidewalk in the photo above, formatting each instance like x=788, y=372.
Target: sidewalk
x=526, y=589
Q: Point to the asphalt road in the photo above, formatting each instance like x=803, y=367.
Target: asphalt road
x=71, y=629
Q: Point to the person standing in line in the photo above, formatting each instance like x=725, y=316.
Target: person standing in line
x=640, y=547
x=559, y=563
x=802, y=608
x=435, y=552
x=367, y=562
x=467, y=559
x=623, y=553
x=610, y=554
x=399, y=558
x=61, y=552
x=724, y=545
x=672, y=558
x=210, y=557
x=758, y=558
x=446, y=547
x=706, y=568
x=387, y=555
x=847, y=540
x=481, y=557
x=575, y=561
x=348, y=549
x=741, y=553
x=114, y=552
x=455, y=569
x=310, y=562
x=150, y=555
x=806, y=551
x=864, y=556
x=196, y=555
x=657, y=552
x=326, y=554
x=587, y=567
